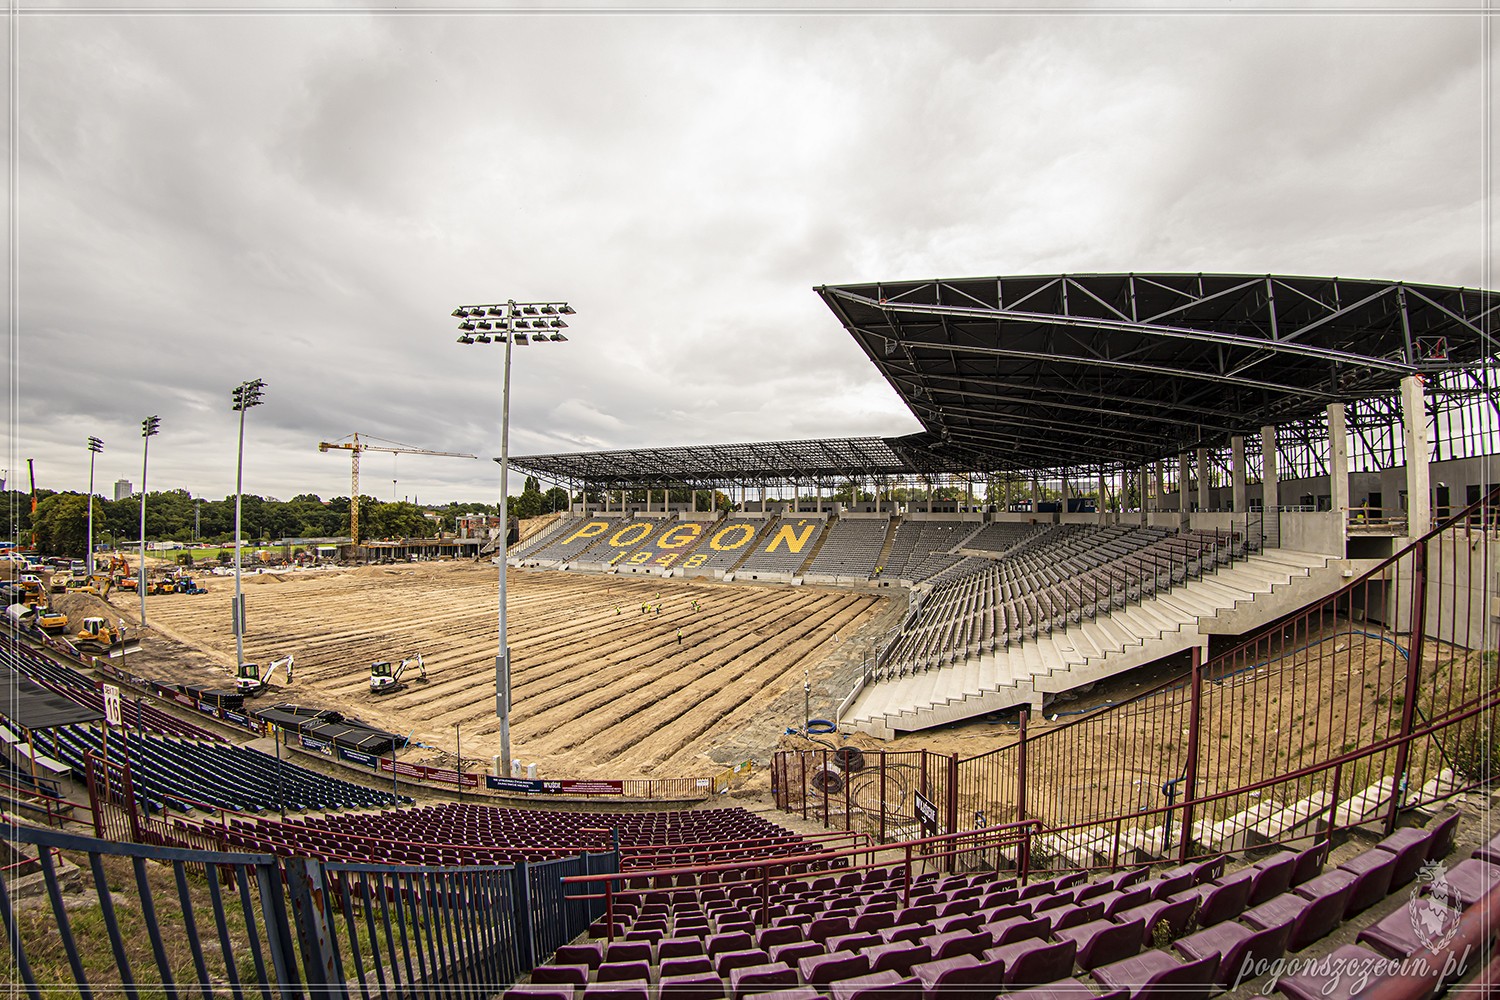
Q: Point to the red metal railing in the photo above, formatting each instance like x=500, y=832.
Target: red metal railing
x=980, y=848
x=1368, y=674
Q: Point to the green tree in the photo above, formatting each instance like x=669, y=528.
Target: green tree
x=62, y=524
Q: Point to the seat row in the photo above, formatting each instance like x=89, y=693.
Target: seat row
x=176, y=774
x=1186, y=932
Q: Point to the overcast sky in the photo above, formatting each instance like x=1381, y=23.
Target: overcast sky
x=201, y=199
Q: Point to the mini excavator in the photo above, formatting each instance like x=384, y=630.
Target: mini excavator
x=249, y=681
x=385, y=677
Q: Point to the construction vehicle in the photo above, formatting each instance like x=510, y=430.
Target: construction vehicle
x=187, y=585
x=250, y=681
x=385, y=678
x=32, y=591
x=357, y=446
x=99, y=585
x=49, y=619
x=101, y=638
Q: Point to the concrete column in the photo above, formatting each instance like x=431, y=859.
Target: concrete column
x=1418, y=475
x=931, y=489
x=1063, y=491
x=1102, y=513
x=1182, y=486
x=1237, y=473
x=1205, y=494
x=1141, y=487
x=1036, y=490
x=1338, y=461
x=1009, y=485
x=1161, y=484
x=1270, y=496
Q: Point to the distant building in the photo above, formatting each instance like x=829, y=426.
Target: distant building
x=122, y=489
x=477, y=525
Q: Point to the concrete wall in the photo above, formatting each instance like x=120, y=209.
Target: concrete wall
x=1463, y=591
x=1313, y=531
x=1208, y=520
x=1024, y=517
x=922, y=515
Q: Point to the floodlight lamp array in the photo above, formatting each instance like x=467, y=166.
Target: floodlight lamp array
x=247, y=394
x=528, y=322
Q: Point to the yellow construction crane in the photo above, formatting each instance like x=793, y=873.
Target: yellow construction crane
x=354, y=447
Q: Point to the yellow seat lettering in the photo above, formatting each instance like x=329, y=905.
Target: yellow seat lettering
x=794, y=541
x=588, y=531
x=619, y=541
x=720, y=540
x=693, y=562
x=679, y=536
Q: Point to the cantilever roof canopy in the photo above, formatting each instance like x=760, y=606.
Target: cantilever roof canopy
x=707, y=466
x=30, y=706
x=1037, y=372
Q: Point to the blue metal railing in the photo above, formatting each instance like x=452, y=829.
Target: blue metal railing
x=285, y=927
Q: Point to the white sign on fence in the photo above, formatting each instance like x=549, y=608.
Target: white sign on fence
x=112, y=704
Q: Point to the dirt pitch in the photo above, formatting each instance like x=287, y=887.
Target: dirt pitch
x=601, y=687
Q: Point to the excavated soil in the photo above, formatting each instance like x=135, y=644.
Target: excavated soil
x=601, y=688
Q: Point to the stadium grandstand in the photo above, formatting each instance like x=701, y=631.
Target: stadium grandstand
x=1274, y=490
x=1163, y=459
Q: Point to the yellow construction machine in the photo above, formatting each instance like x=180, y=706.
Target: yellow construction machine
x=49, y=619
x=101, y=638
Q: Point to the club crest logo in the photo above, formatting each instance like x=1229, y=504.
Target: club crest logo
x=1434, y=912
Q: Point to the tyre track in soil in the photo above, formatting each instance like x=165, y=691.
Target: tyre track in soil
x=541, y=681
x=693, y=711
x=626, y=649
x=593, y=689
x=606, y=704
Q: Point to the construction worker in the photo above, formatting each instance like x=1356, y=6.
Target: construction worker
x=679, y=637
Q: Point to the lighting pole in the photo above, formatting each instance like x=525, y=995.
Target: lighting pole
x=509, y=323
x=95, y=447
x=245, y=395
x=149, y=427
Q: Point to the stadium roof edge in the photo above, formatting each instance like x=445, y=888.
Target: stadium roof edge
x=1045, y=371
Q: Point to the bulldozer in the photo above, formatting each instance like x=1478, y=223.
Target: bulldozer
x=385, y=677
x=99, y=637
x=249, y=681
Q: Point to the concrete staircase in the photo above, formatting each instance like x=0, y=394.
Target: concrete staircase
x=1298, y=824
x=1231, y=600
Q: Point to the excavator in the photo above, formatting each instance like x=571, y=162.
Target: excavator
x=249, y=681
x=385, y=677
x=101, y=638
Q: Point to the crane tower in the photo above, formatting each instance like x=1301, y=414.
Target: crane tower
x=354, y=446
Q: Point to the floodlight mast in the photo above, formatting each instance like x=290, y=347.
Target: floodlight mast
x=478, y=323
x=244, y=396
x=149, y=428
x=95, y=447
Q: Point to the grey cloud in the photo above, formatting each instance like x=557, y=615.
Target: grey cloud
x=304, y=198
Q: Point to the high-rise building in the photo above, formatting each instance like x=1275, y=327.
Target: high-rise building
x=122, y=489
